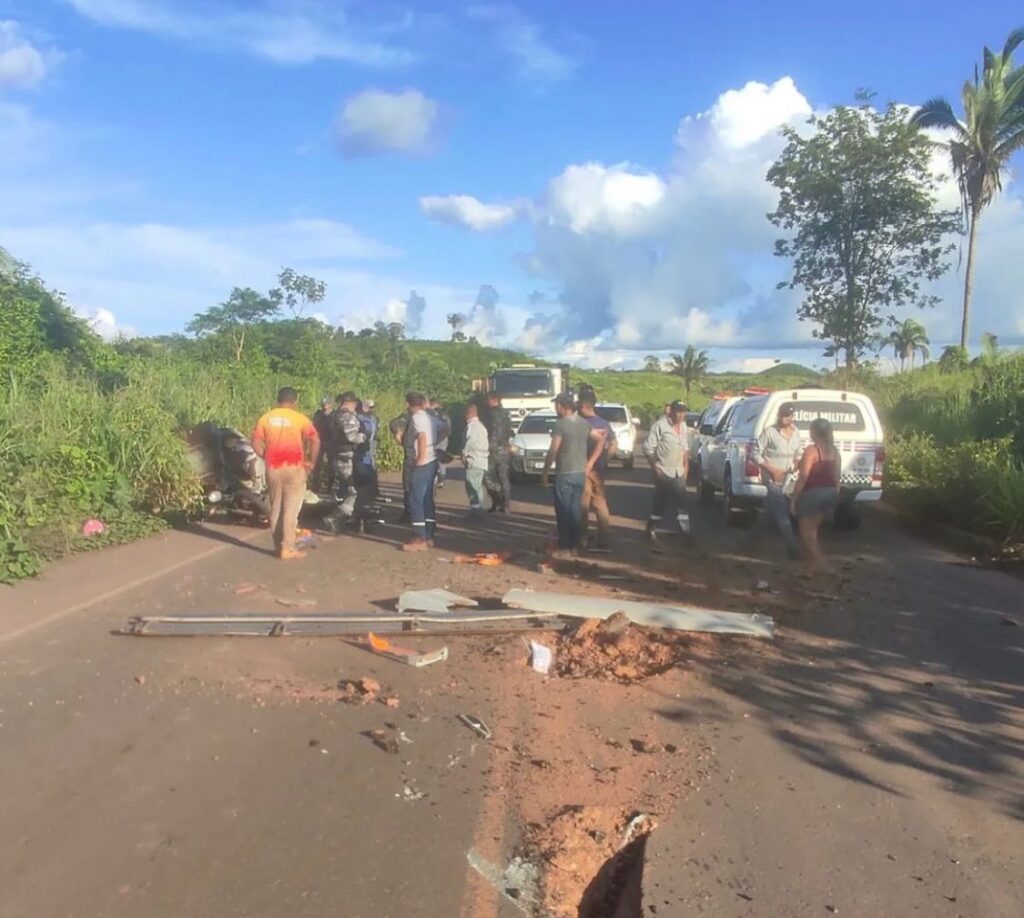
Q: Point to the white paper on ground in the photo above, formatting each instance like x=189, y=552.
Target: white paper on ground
x=658, y=615
x=540, y=657
x=432, y=601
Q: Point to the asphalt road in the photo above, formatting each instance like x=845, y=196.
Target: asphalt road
x=868, y=762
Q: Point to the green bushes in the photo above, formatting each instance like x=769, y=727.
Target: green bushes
x=972, y=484
x=984, y=401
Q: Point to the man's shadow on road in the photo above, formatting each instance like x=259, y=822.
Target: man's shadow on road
x=218, y=535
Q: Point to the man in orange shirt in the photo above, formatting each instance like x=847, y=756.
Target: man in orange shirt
x=288, y=443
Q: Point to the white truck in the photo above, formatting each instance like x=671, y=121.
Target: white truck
x=525, y=387
x=727, y=463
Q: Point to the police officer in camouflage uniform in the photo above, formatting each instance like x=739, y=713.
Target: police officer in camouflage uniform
x=499, y=435
x=346, y=435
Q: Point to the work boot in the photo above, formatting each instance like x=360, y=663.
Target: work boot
x=291, y=554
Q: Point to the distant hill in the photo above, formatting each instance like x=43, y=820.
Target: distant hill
x=790, y=370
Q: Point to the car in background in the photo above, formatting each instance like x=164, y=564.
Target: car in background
x=531, y=443
x=624, y=426
x=859, y=439
x=710, y=439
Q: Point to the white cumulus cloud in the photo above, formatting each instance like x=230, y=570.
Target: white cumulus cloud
x=592, y=198
x=647, y=260
x=103, y=322
x=22, y=64
x=468, y=212
x=375, y=121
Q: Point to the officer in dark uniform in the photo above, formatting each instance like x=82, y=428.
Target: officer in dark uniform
x=499, y=435
x=323, y=474
x=347, y=435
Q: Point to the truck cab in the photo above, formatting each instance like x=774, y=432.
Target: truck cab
x=525, y=387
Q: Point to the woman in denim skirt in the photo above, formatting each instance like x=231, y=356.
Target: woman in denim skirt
x=817, y=488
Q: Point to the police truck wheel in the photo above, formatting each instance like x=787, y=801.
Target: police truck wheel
x=734, y=515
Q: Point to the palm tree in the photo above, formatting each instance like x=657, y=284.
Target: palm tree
x=907, y=340
x=692, y=365
x=981, y=145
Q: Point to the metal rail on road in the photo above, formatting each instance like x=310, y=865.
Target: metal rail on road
x=476, y=622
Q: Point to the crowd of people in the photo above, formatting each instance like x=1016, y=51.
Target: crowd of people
x=336, y=451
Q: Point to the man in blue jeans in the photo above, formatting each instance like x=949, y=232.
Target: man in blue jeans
x=568, y=453
x=422, y=435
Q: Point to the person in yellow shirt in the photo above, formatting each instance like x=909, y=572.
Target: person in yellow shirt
x=289, y=445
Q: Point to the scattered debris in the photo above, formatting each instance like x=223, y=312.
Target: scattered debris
x=646, y=747
x=615, y=649
x=313, y=743
x=359, y=691
x=405, y=654
x=540, y=658
x=432, y=601
x=384, y=739
x=295, y=603
x=140, y=679
x=391, y=701
x=350, y=623
x=545, y=568
x=476, y=725
x=410, y=793
x=93, y=527
x=484, y=558
x=761, y=586
x=244, y=589
x=518, y=882
x=679, y=618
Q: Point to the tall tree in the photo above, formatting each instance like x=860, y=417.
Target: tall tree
x=857, y=201
x=981, y=145
x=235, y=317
x=907, y=340
x=652, y=364
x=297, y=291
x=692, y=365
x=457, y=320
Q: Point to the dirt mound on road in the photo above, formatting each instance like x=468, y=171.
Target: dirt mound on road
x=617, y=650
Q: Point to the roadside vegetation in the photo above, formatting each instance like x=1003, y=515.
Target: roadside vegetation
x=90, y=429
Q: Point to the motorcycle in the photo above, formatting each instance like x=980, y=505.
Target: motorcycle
x=233, y=477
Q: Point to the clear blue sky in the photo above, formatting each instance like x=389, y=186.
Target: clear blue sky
x=159, y=152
